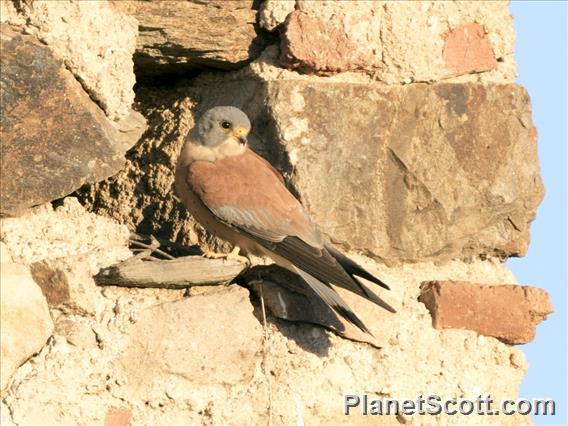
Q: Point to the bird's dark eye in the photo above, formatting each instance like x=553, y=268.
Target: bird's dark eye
x=225, y=125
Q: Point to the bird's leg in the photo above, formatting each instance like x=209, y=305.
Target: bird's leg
x=212, y=255
x=234, y=254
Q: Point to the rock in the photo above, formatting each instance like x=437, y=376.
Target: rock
x=65, y=231
x=67, y=284
x=467, y=49
x=425, y=171
x=5, y=418
x=118, y=417
x=143, y=197
x=175, y=37
x=50, y=126
x=101, y=61
x=509, y=313
x=414, y=49
x=397, y=42
x=272, y=13
x=196, y=336
x=312, y=45
x=77, y=330
x=5, y=256
x=25, y=322
x=170, y=337
x=65, y=247
x=9, y=13
x=331, y=37
x=417, y=174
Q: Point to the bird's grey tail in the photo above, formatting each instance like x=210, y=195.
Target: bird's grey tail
x=333, y=300
x=354, y=270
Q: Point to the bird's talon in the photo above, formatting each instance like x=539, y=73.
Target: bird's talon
x=234, y=255
x=213, y=255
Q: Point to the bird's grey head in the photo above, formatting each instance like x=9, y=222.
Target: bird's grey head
x=221, y=124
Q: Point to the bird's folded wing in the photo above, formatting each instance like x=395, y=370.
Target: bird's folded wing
x=246, y=193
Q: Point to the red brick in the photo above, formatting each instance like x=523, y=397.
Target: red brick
x=467, y=49
x=313, y=45
x=506, y=312
x=118, y=417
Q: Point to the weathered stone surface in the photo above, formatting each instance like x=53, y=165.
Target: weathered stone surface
x=330, y=37
x=468, y=49
x=196, y=338
x=5, y=418
x=25, y=322
x=176, y=36
x=9, y=13
x=68, y=284
x=508, y=312
x=54, y=138
x=404, y=173
x=421, y=171
x=77, y=330
x=397, y=42
x=118, y=417
x=63, y=232
x=81, y=381
x=5, y=255
x=312, y=45
x=274, y=12
x=82, y=377
x=413, y=42
x=95, y=41
x=143, y=196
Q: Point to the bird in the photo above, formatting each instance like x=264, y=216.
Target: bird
x=237, y=195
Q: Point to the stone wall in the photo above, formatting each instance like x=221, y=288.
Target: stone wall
x=397, y=124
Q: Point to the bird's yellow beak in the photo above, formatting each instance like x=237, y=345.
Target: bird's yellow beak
x=241, y=134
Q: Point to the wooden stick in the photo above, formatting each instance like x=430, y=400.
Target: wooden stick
x=182, y=272
x=151, y=247
x=181, y=249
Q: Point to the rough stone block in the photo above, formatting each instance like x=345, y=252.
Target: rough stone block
x=118, y=417
x=467, y=49
x=67, y=284
x=66, y=231
x=397, y=42
x=416, y=44
x=190, y=346
x=176, y=36
x=508, y=312
x=403, y=173
x=326, y=46
x=25, y=322
x=273, y=12
x=54, y=137
x=95, y=41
